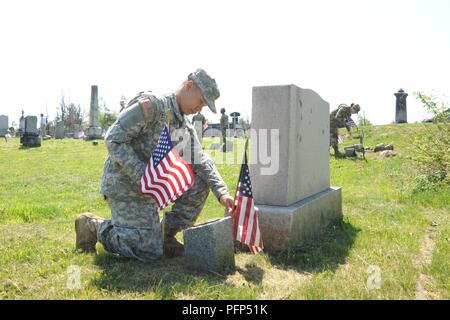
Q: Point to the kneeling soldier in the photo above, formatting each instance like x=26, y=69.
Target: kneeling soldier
x=135, y=230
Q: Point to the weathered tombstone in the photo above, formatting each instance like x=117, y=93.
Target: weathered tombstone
x=4, y=125
x=240, y=133
x=95, y=130
x=212, y=132
x=76, y=131
x=31, y=137
x=210, y=246
x=59, y=131
x=296, y=203
x=400, y=107
x=215, y=146
x=350, y=152
x=228, y=147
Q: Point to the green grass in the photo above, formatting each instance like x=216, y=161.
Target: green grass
x=42, y=190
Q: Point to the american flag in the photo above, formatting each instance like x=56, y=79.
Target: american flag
x=245, y=218
x=340, y=139
x=351, y=123
x=167, y=175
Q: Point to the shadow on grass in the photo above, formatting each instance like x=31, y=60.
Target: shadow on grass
x=165, y=278
x=168, y=278
x=323, y=254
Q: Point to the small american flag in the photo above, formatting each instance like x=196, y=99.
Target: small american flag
x=167, y=175
x=351, y=123
x=245, y=218
x=340, y=139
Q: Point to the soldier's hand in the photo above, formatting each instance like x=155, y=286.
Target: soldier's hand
x=228, y=203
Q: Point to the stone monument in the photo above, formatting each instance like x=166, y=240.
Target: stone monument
x=400, y=107
x=94, y=130
x=235, y=122
x=21, y=124
x=30, y=137
x=4, y=125
x=296, y=203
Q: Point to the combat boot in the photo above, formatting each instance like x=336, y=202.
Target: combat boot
x=337, y=154
x=172, y=248
x=86, y=227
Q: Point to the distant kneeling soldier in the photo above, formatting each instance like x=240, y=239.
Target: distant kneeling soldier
x=339, y=118
x=135, y=230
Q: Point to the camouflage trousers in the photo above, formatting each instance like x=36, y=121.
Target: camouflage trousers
x=135, y=230
x=334, y=133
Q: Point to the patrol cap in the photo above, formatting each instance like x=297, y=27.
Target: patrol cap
x=357, y=107
x=207, y=85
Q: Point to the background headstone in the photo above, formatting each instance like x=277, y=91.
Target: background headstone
x=59, y=131
x=400, y=107
x=95, y=130
x=31, y=137
x=215, y=146
x=296, y=203
x=76, y=131
x=210, y=246
x=4, y=125
x=212, y=132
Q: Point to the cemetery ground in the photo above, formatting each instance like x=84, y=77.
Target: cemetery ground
x=388, y=232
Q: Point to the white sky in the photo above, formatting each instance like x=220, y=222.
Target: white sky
x=347, y=51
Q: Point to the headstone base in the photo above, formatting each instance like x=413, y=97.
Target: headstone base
x=291, y=226
x=94, y=133
x=210, y=247
x=30, y=140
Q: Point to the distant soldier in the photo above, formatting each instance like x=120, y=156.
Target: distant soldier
x=224, y=127
x=199, y=117
x=340, y=118
x=43, y=125
x=135, y=230
x=199, y=122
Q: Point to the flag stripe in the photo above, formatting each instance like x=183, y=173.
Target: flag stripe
x=154, y=180
x=155, y=189
x=245, y=218
x=166, y=175
x=254, y=227
x=250, y=214
x=178, y=162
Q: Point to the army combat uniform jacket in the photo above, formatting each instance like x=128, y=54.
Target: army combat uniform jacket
x=132, y=138
x=338, y=118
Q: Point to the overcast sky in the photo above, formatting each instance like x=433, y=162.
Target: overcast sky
x=347, y=51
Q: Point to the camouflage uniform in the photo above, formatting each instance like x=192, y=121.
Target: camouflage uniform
x=135, y=230
x=338, y=118
x=199, y=117
x=224, y=126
